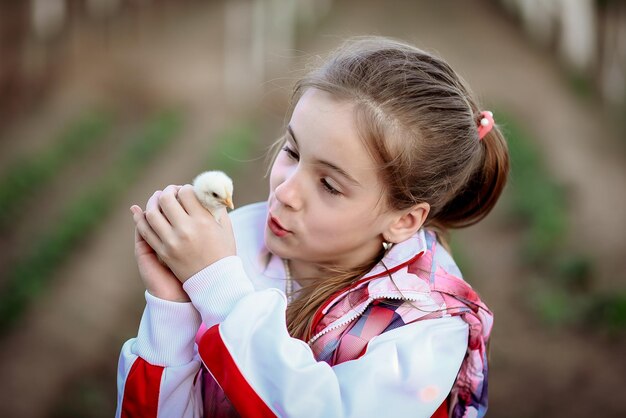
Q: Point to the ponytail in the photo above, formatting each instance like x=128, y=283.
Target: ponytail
x=481, y=192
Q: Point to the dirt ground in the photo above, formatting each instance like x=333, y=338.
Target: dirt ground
x=65, y=349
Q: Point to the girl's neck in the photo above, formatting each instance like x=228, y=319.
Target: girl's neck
x=303, y=272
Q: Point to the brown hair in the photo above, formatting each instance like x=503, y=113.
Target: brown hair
x=418, y=119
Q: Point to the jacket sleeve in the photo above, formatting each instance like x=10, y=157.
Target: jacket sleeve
x=265, y=372
x=158, y=370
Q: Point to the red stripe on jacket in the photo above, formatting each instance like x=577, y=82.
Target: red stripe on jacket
x=141, y=392
x=442, y=411
x=222, y=366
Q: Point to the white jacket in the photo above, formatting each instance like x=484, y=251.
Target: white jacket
x=241, y=300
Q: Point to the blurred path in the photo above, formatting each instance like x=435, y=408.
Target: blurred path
x=97, y=299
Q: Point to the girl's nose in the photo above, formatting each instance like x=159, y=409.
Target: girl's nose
x=288, y=191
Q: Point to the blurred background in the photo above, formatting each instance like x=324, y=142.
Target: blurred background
x=104, y=101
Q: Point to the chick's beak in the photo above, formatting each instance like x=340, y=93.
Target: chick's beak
x=228, y=202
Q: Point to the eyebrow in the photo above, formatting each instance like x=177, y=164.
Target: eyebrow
x=328, y=164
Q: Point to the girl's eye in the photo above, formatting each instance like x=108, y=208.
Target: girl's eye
x=327, y=187
x=291, y=153
x=330, y=189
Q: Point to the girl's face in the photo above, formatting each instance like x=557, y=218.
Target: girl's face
x=324, y=188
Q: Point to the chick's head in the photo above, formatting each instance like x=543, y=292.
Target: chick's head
x=214, y=189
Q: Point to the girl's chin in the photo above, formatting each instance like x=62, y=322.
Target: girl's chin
x=273, y=244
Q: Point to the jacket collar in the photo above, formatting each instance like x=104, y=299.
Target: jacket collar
x=395, y=261
x=400, y=254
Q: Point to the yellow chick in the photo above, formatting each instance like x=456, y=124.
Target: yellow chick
x=214, y=190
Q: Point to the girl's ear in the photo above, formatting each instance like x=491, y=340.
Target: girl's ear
x=407, y=224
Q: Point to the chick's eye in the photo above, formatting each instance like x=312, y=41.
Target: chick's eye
x=291, y=153
x=214, y=194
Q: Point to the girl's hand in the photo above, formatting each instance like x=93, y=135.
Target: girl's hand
x=184, y=234
x=157, y=278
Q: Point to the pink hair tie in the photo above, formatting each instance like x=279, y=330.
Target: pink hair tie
x=485, y=124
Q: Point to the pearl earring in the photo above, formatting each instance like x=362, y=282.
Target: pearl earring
x=387, y=245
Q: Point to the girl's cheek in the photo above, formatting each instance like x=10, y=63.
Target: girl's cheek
x=280, y=171
x=276, y=175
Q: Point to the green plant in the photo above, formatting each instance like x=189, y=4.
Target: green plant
x=580, y=83
x=563, y=296
x=535, y=198
x=574, y=271
x=552, y=304
x=28, y=174
x=608, y=311
x=81, y=216
x=232, y=146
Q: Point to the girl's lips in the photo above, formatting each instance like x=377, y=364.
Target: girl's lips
x=276, y=227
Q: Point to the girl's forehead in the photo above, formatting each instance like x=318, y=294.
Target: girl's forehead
x=327, y=128
x=319, y=107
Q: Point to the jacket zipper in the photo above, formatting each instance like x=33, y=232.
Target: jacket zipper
x=317, y=317
x=358, y=313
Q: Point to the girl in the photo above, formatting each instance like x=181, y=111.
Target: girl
x=336, y=297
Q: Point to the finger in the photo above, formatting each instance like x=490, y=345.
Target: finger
x=135, y=208
x=155, y=218
x=225, y=221
x=141, y=246
x=138, y=237
x=189, y=201
x=152, y=199
x=146, y=232
x=222, y=214
x=136, y=211
x=170, y=206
